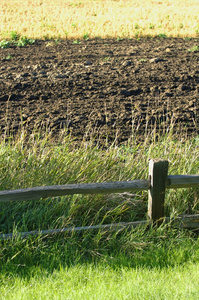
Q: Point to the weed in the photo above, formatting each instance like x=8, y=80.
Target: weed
x=46, y=37
x=14, y=35
x=5, y=44
x=24, y=41
x=57, y=41
x=142, y=59
x=194, y=49
x=151, y=26
x=76, y=42
x=119, y=38
x=138, y=34
x=74, y=25
x=107, y=58
x=8, y=57
x=162, y=36
x=86, y=36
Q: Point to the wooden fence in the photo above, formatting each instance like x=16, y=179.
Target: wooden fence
x=158, y=182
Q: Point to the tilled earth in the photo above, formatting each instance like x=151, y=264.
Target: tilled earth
x=106, y=88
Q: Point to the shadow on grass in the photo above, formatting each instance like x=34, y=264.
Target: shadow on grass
x=143, y=247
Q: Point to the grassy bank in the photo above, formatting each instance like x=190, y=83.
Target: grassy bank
x=96, y=264
x=89, y=19
x=36, y=161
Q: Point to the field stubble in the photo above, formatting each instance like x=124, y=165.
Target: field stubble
x=77, y=19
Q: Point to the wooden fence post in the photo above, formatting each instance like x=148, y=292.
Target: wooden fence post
x=158, y=171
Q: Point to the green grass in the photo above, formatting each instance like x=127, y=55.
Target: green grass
x=138, y=264
x=194, y=49
x=132, y=265
x=16, y=40
x=142, y=263
x=103, y=282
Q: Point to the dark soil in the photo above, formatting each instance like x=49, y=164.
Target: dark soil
x=101, y=87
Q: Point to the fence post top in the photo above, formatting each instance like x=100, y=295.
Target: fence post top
x=156, y=160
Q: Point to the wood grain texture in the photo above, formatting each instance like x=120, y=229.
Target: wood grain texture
x=182, y=181
x=158, y=170
x=70, y=189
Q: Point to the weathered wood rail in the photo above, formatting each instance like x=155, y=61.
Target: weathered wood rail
x=158, y=182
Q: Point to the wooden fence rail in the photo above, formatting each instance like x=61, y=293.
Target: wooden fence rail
x=158, y=182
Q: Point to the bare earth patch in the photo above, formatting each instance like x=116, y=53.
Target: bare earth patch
x=101, y=87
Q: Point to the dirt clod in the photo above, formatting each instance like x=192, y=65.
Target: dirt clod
x=102, y=87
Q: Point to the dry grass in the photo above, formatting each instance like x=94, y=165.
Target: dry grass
x=77, y=19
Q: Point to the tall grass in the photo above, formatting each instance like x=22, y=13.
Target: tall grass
x=35, y=160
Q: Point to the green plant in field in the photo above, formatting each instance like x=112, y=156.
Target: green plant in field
x=106, y=58
x=187, y=38
x=8, y=57
x=162, y=36
x=136, y=26
x=194, y=49
x=14, y=35
x=138, y=34
x=57, y=41
x=119, y=38
x=151, y=26
x=75, y=4
x=5, y=44
x=74, y=25
x=24, y=41
x=76, y=42
x=86, y=36
x=142, y=59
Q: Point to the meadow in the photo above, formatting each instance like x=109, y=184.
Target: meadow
x=143, y=263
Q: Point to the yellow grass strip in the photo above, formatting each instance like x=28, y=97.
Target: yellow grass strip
x=75, y=19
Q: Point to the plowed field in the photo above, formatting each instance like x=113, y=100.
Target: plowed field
x=101, y=87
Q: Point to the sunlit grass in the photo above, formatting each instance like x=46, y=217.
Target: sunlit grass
x=103, y=282
x=35, y=161
x=91, y=264
x=77, y=19
x=144, y=263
